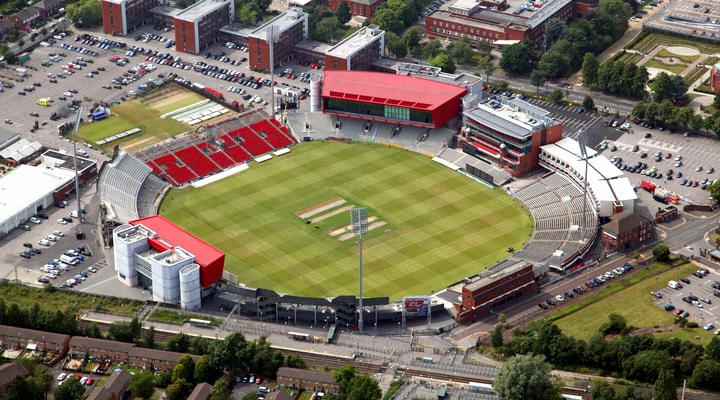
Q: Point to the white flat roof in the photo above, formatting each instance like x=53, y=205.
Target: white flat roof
x=356, y=41
x=605, y=167
x=573, y=147
x=282, y=22
x=198, y=10
x=16, y=193
x=601, y=190
x=623, y=189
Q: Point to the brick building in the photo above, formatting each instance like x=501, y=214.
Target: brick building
x=494, y=289
x=26, y=18
x=201, y=392
x=289, y=29
x=626, y=230
x=714, y=82
x=123, y=16
x=508, y=133
x=199, y=25
x=362, y=8
x=114, y=388
x=357, y=51
x=666, y=214
x=47, y=8
x=8, y=372
x=314, y=381
x=477, y=22
x=13, y=337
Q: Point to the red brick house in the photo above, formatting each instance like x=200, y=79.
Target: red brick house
x=47, y=8
x=13, y=337
x=114, y=388
x=8, y=372
x=363, y=8
x=25, y=18
x=314, y=381
x=626, y=230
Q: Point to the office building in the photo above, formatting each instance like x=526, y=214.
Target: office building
x=123, y=16
x=357, y=51
x=199, y=25
x=288, y=29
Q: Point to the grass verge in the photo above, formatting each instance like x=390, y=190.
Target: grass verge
x=175, y=317
x=694, y=75
x=628, y=297
x=655, y=63
x=652, y=40
x=394, y=387
x=669, y=54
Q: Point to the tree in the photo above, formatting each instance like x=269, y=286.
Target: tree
x=661, y=252
x=556, y=61
x=705, y=375
x=716, y=101
x=554, y=29
x=343, y=13
x=220, y=390
x=142, y=385
x=431, y=49
x=696, y=122
x=412, y=38
x=444, y=62
x=484, y=48
x=294, y=361
x=364, y=388
x=461, y=52
x=518, y=57
x=646, y=365
x=618, y=12
x=182, y=4
x=177, y=390
x=203, y=371
x=557, y=96
x=679, y=90
x=93, y=331
x=665, y=386
x=71, y=389
x=524, y=377
x=150, y=337
x=496, y=336
x=85, y=13
x=590, y=70
x=588, y=103
x=537, y=79
x=121, y=331
x=253, y=395
x=328, y=29
x=248, y=14
x=639, y=109
x=487, y=66
x=388, y=20
x=343, y=376
x=179, y=343
x=184, y=369
x=395, y=45
x=714, y=190
x=662, y=87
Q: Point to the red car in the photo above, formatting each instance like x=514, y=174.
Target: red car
x=90, y=381
x=78, y=376
x=668, y=155
x=258, y=380
x=678, y=311
x=588, y=284
x=636, y=148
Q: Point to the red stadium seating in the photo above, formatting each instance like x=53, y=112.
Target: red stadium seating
x=197, y=161
x=272, y=134
x=172, y=171
x=252, y=142
x=222, y=160
x=238, y=154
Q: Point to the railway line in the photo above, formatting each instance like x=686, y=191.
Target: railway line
x=334, y=361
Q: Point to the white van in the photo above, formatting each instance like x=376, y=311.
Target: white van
x=68, y=260
x=673, y=285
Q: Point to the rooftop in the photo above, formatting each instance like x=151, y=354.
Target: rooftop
x=59, y=159
x=490, y=277
x=100, y=393
x=33, y=335
x=16, y=193
x=351, y=44
x=281, y=23
x=515, y=118
x=10, y=371
x=625, y=221
x=21, y=149
x=166, y=10
x=472, y=21
x=132, y=235
x=7, y=137
x=389, y=89
x=171, y=235
x=236, y=28
x=100, y=344
x=118, y=381
x=201, y=392
x=200, y=9
x=314, y=46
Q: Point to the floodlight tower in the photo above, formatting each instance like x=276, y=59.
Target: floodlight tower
x=359, y=219
x=77, y=177
x=583, y=152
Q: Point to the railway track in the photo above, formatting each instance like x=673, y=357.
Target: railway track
x=334, y=361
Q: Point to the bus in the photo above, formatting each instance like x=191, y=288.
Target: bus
x=298, y=336
x=200, y=323
x=331, y=334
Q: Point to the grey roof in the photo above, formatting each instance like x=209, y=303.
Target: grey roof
x=546, y=12
x=278, y=395
x=166, y=10
x=118, y=382
x=490, y=277
x=314, y=46
x=356, y=41
x=82, y=341
x=200, y=9
x=236, y=28
x=625, y=221
x=282, y=22
x=28, y=14
x=10, y=371
x=33, y=335
x=45, y=4
x=67, y=159
x=201, y=392
x=7, y=137
x=100, y=393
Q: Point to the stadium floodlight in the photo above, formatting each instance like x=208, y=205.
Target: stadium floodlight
x=358, y=220
x=77, y=177
x=583, y=153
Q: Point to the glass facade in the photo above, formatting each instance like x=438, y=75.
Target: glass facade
x=377, y=110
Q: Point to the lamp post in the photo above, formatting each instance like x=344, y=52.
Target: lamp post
x=583, y=152
x=359, y=219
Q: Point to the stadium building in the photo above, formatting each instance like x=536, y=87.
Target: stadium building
x=608, y=188
x=395, y=99
x=199, y=25
x=155, y=253
x=508, y=133
x=480, y=21
x=122, y=16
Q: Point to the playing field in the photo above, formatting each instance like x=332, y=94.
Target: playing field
x=143, y=113
x=439, y=226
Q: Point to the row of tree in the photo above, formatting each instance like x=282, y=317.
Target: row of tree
x=639, y=358
x=614, y=77
x=42, y=319
x=666, y=113
x=85, y=13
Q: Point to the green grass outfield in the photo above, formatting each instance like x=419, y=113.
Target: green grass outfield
x=634, y=303
x=191, y=99
x=442, y=226
x=132, y=114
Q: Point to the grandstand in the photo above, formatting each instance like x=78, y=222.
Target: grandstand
x=557, y=206
x=235, y=141
x=128, y=189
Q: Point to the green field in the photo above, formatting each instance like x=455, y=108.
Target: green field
x=192, y=98
x=634, y=303
x=655, y=63
x=132, y=114
x=441, y=225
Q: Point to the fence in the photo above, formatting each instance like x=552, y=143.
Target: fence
x=480, y=371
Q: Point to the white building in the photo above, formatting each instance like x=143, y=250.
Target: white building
x=611, y=191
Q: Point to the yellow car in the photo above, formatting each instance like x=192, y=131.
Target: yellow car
x=653, y=169
x=43, y=102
